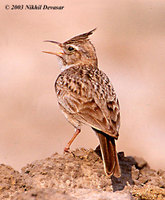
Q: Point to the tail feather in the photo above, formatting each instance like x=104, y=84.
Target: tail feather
x=109, y=154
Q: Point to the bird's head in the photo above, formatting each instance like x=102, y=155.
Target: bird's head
x=76, y=51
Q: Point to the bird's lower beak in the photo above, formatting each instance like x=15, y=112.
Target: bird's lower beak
x=59, y=54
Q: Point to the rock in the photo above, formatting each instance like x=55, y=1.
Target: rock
x=149, y=192
x=42, y=194
x=11, y=181
x=140, y=163
x=80, y=175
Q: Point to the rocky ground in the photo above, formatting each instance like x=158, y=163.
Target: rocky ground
x=80, y=175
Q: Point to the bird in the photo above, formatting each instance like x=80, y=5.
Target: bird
x=86, y=96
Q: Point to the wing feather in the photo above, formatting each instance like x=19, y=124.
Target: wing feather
x=90, y=99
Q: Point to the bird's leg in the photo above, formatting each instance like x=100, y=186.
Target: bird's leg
x=66, y=149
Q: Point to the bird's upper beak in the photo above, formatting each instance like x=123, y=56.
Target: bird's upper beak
x=60, y=53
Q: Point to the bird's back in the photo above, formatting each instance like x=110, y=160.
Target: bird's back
x=86, y=94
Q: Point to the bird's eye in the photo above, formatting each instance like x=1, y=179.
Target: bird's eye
x=70, y=48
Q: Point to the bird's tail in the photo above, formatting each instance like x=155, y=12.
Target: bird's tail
x=109, y=154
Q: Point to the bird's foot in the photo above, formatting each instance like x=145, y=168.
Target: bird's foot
x=66, y=150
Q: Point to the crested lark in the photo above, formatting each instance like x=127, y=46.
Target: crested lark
x=86, y=96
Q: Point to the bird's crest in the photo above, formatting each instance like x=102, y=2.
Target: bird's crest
x=80, y=38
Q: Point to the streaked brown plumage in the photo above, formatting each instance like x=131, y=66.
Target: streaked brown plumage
x=86, y=96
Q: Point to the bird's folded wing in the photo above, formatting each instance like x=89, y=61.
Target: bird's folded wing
x=88, y=95
x=104, y=116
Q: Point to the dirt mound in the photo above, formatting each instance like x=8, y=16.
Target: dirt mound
x=80, y=175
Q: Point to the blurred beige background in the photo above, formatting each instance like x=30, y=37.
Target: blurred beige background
x=130, y=44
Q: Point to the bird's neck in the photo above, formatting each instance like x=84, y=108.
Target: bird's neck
x=67, y=66
x=64, y=67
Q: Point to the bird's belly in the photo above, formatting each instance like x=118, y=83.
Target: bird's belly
x=71, y=117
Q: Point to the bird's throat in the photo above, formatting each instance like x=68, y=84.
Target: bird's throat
x=64, y=67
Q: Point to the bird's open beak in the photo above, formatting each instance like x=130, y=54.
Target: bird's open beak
x=59, y=54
